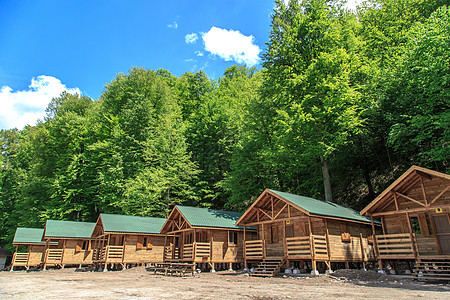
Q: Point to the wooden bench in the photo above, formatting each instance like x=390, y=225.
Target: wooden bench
x=172, y=268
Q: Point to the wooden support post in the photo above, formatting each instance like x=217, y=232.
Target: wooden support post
x=13, y=259
x=328, y=244
x=412, y=236
x=62, y=255
x=362, y=248
x=124, y=246
x=375, y=245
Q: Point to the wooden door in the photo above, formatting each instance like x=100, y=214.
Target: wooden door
x=442, y=226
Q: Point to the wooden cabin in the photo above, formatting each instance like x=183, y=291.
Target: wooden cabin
x=297, y=231
x=204, y=236
x=73, y=241
x=414, y=212
x=29, y=248
x=122, y=240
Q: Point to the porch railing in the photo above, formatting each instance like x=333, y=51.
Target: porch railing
x=20, y=259
x=394, y=246
x=254, y=249
x=311, y=246
x=115, y=252
x=171, y=253
x=54, y=256
x=196, y=251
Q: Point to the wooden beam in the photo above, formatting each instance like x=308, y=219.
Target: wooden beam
x=439, y=196
x=410, y=199
x=265, y=213
x=271, y=200
x=280, y=211
x=396, y=201
x=424, y=175
x=420, y=209
x=423, y=192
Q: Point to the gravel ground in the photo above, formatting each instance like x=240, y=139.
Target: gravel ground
x=136, y=283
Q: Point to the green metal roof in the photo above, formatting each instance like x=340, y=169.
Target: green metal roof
x=131, y=224
x=323, y=208
x=205, y=217
x=28, y=236
x=68, y=229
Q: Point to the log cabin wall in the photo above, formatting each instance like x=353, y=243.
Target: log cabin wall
x=143, y=248
x=36, y=255
x=77, y=252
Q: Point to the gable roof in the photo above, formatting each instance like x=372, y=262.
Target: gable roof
x=131, y=224
x=68, y=229
x=206, y=217
x=410, y=174
x=316, y=207
x=28, y=236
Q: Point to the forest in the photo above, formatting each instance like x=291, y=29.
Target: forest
x=344, y=103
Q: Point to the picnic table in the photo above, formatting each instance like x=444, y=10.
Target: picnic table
x=172, y=268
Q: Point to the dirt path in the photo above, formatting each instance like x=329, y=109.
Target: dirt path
x=136, y=283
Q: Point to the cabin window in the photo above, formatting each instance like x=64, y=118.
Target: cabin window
x=232, y=238
x=85, y=245
x=145, y=242
x=415, y=225
x=289, y=231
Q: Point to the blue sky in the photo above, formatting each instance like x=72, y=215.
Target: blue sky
x=49, y=46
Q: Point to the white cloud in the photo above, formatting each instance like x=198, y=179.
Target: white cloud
x=191, y=38
x=19, y=108
x=174, y=25
x=232, y=45
x=199, y=53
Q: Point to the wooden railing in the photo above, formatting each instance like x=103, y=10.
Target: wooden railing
x=254, y=249
x=171, y=253
x=108, y=252
x=298, y=246
x=395, y=246
x=202, y=250
x=311, y=246
x=54, y=256
x=115, y=252
x=197, y=250
x=20, y=259
x=188, y=252
x=319, y=247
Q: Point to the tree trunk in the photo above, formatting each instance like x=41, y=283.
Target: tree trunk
x=326, y=180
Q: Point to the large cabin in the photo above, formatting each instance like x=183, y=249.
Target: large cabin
x=121, y=240
x=302, y=232
x=208, y=238
x=73, y=241
x=414, y=212
x=29, y=248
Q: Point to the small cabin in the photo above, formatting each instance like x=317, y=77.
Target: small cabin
x=4, y=254
x=301, y=232
x=30, y=248
x=414, y=212
x=73, y=240
x=121, y=240
x=208, y=238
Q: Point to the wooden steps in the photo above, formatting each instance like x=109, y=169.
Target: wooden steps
x=432, y=270
x=268, y=267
